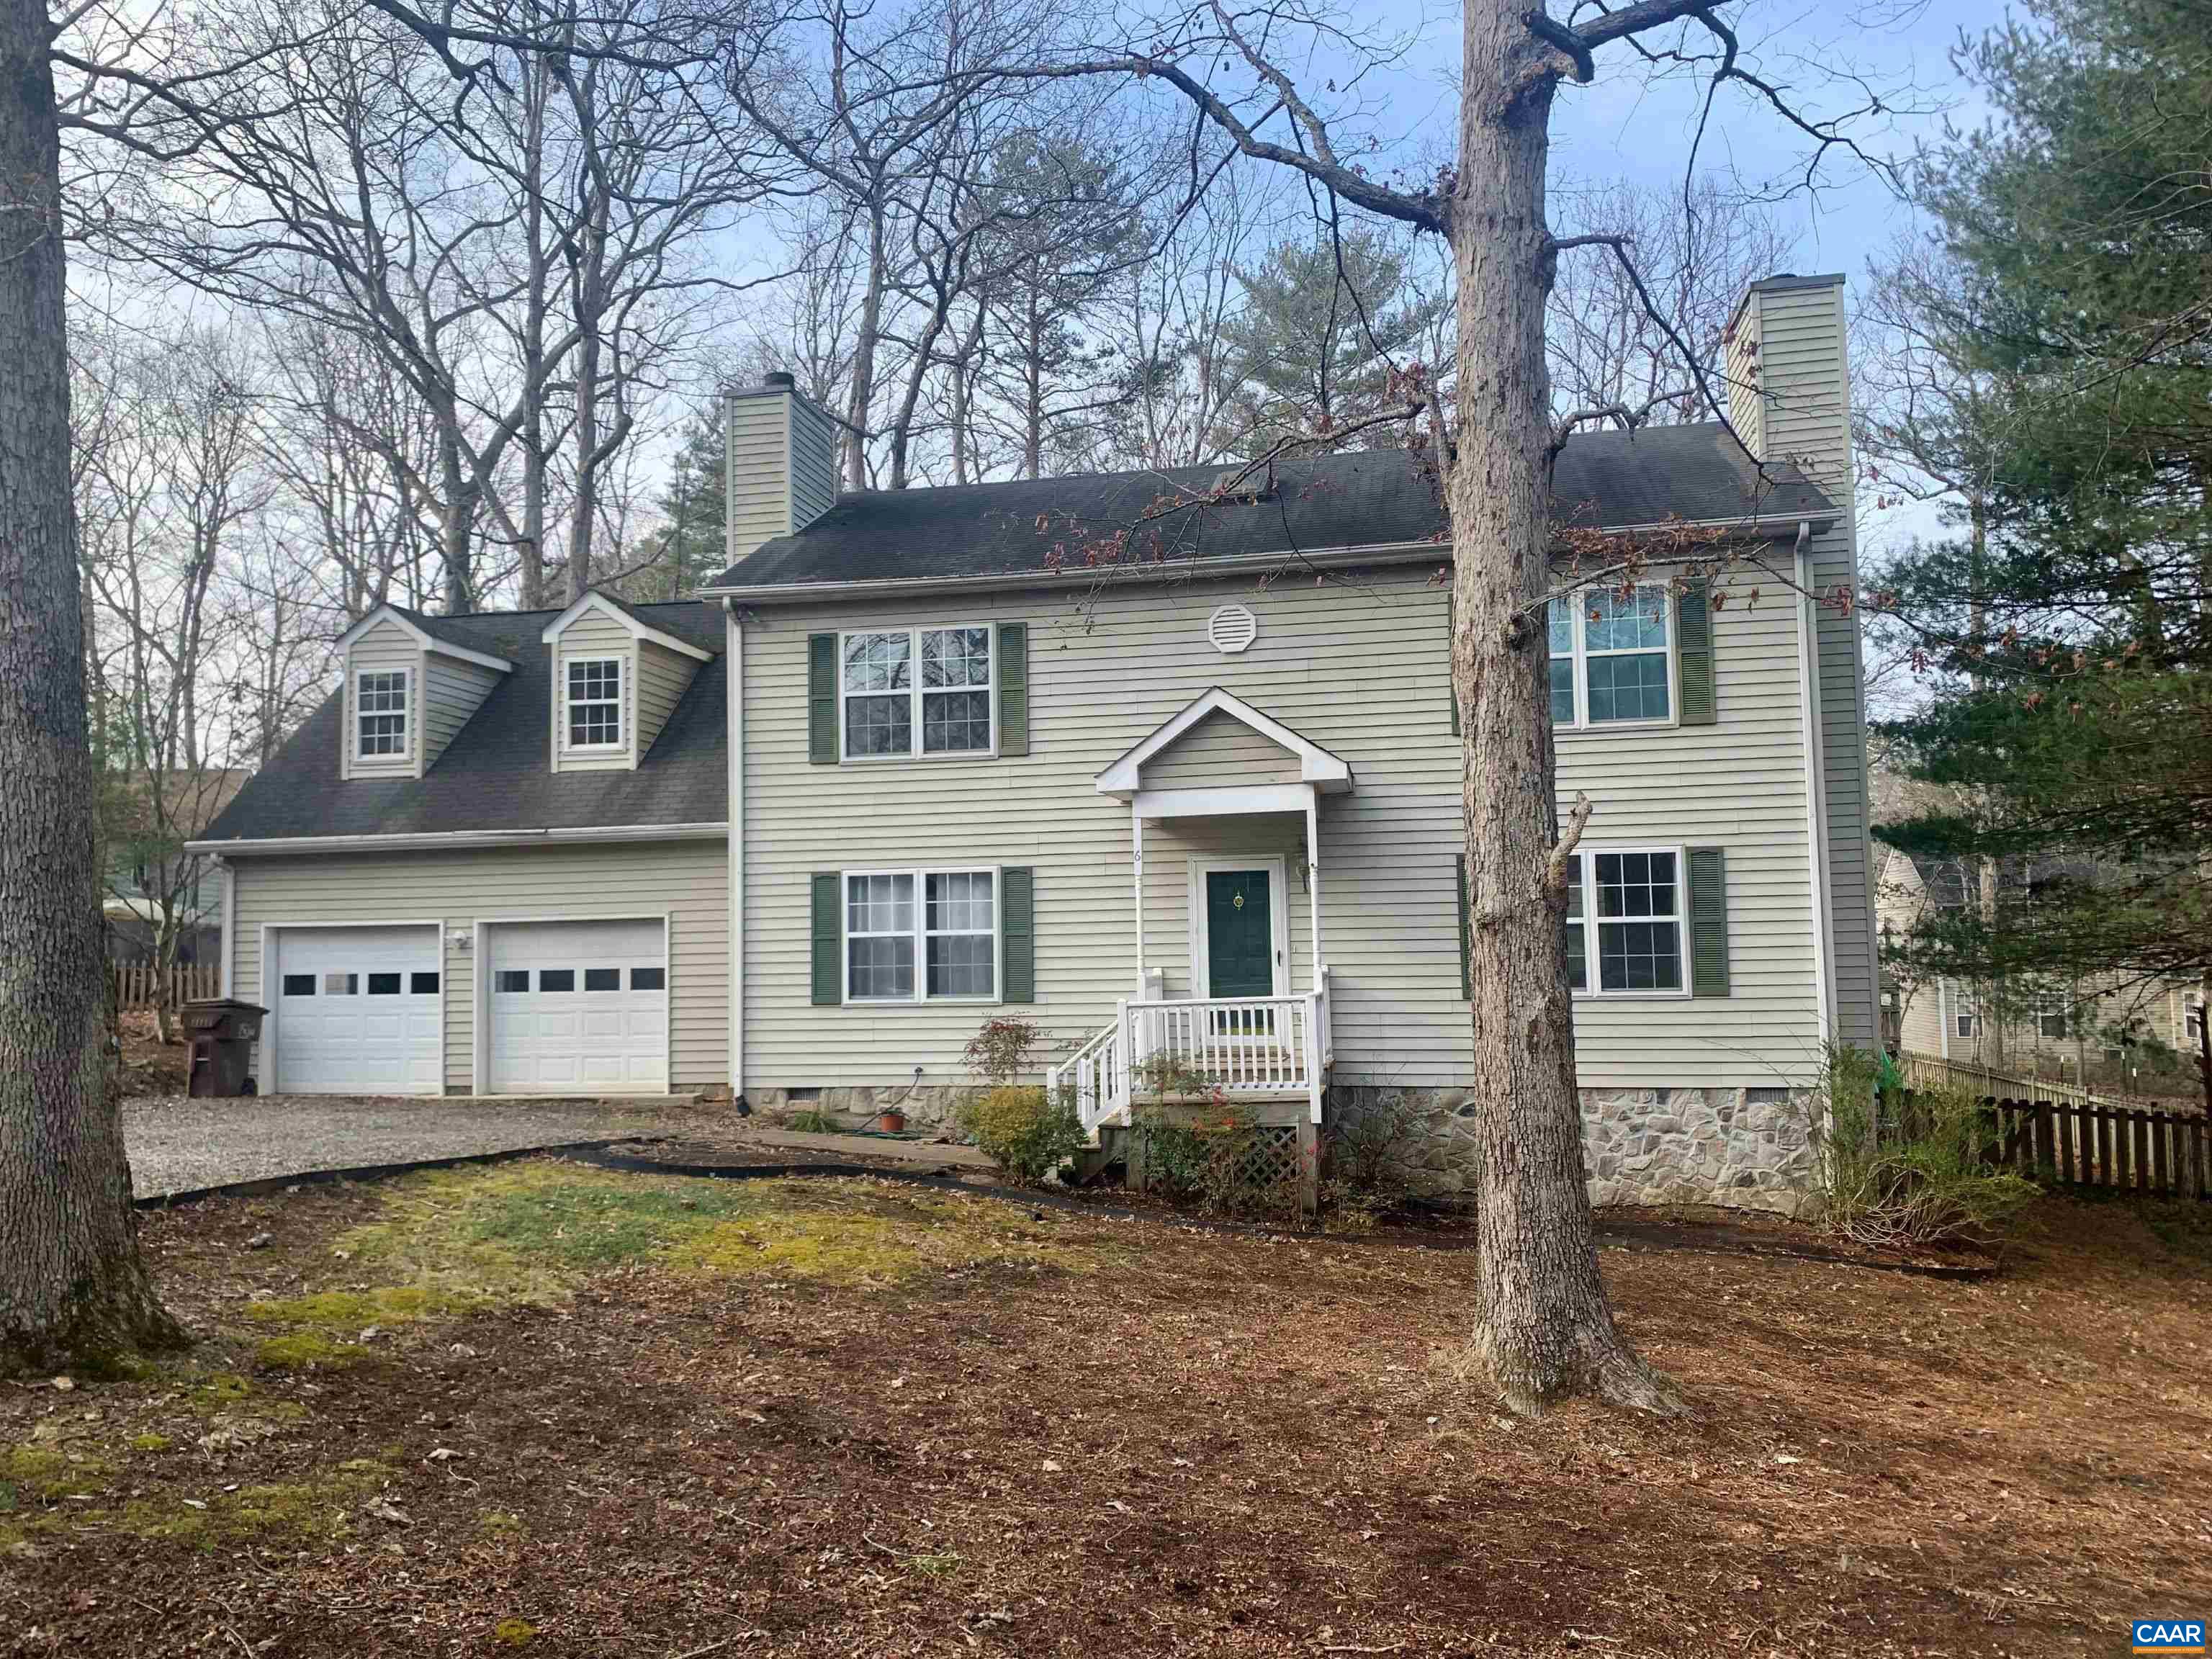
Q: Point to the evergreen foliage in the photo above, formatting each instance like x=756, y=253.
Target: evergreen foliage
x=2068, y=629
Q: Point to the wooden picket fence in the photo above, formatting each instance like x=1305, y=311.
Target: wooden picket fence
x=2116, y=1148
x=138, y=984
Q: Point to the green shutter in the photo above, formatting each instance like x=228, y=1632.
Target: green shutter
x=1693, y=628
x=1709, y=950
x=1018, y=933
x=1013, y=667
x=822, y=701
x=1466, y=969
x=829, y=938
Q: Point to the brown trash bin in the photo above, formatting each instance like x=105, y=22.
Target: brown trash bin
x=222, y=1031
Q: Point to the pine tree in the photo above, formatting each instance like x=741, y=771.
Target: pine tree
x=1313, y=346
x=2072, y=634
x=688, y=547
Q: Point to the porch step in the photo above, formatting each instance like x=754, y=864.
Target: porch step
x=1092, y=1162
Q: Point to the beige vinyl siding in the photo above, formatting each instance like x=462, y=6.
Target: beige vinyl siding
x=813, y=464
x=662, y=676
x=686, y=880
x=1360, y=669
x=1220, y=749
x=756, y=439
x=594, y=634
x=453, y=690
x=1795, y=336
x=383, y=648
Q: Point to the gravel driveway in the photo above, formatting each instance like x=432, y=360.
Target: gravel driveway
x=177, y=1143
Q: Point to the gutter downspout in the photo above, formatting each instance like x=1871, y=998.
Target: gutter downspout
x=1816, y=804
x=229, y=874
x=733, y=660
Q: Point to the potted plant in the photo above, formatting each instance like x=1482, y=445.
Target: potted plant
x=891, y=1122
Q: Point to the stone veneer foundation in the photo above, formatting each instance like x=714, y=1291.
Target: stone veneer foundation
x=1747, y=1149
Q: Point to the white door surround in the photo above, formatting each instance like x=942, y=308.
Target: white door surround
x=1279, y=918
x=368, y=1015
x=584, y=1010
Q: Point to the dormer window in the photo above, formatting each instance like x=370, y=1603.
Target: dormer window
x=595, y=703
x=381, y=714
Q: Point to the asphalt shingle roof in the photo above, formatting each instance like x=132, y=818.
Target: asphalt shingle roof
x=1357, y=498
x=495, y=774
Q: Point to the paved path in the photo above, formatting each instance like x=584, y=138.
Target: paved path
x=178, y=1143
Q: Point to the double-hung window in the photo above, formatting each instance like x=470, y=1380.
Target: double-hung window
x=922, y=935
x=916, y=692
x=380, y=713
x=1613, y=656
x=595, y=703
x=1626, y=918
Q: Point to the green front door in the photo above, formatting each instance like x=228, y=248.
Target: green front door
x=1240, y=941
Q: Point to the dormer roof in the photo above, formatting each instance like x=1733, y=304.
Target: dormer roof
x=434, y=633
x=595, y=603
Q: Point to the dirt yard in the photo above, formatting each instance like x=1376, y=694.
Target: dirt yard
x=568, y=1411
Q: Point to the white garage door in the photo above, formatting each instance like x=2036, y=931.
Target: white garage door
x=358, y=1012
x=578, y=1007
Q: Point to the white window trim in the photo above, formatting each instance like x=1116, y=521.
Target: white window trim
x=920, y=936
x=569, y=664
x=405, y=754
x=1586, y=860
x=914, y=750
x=1580, y=656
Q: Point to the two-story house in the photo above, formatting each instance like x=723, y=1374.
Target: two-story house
x=1167, y=770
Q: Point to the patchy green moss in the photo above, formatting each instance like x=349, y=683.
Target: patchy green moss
x=353, y=1311
x=219, y=1390
x=298, y=1350
x=45, y=1472
x=498, y=1524
x=321, y=1507
x=150, y=1442
x=514, y=1632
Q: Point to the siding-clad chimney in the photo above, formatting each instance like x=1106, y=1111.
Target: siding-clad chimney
x=782, y=460
x=1790, y=400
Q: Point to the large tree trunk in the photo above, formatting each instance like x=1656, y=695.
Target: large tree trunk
x=71, y=1284
x=1544, y=1327
x=865, y=346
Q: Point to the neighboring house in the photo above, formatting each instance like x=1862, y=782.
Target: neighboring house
x=2108, y=1032
x=934, y=761
x=148, y=872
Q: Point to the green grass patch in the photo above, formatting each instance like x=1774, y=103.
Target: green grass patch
x=452, y=1240
x=150, y=1442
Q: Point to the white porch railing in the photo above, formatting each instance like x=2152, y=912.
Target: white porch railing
x=1241, y=1048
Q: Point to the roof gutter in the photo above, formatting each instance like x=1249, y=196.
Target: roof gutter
x=1760, y=528
x=456, y=841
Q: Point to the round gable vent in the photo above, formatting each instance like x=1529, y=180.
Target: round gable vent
x=1232, y=629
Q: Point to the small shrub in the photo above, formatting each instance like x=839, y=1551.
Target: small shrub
x=1001, y=1051
x=812, y=1122
x=1202, y=1160
x=1905, y=1179
x=1370, y=1159
x=1021, y=1130
x=1170, y=1075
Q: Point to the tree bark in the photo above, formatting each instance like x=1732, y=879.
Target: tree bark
x=72, y=1287
x=1544, y=1328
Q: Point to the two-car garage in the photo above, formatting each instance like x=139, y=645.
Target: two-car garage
x=567, y=1006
